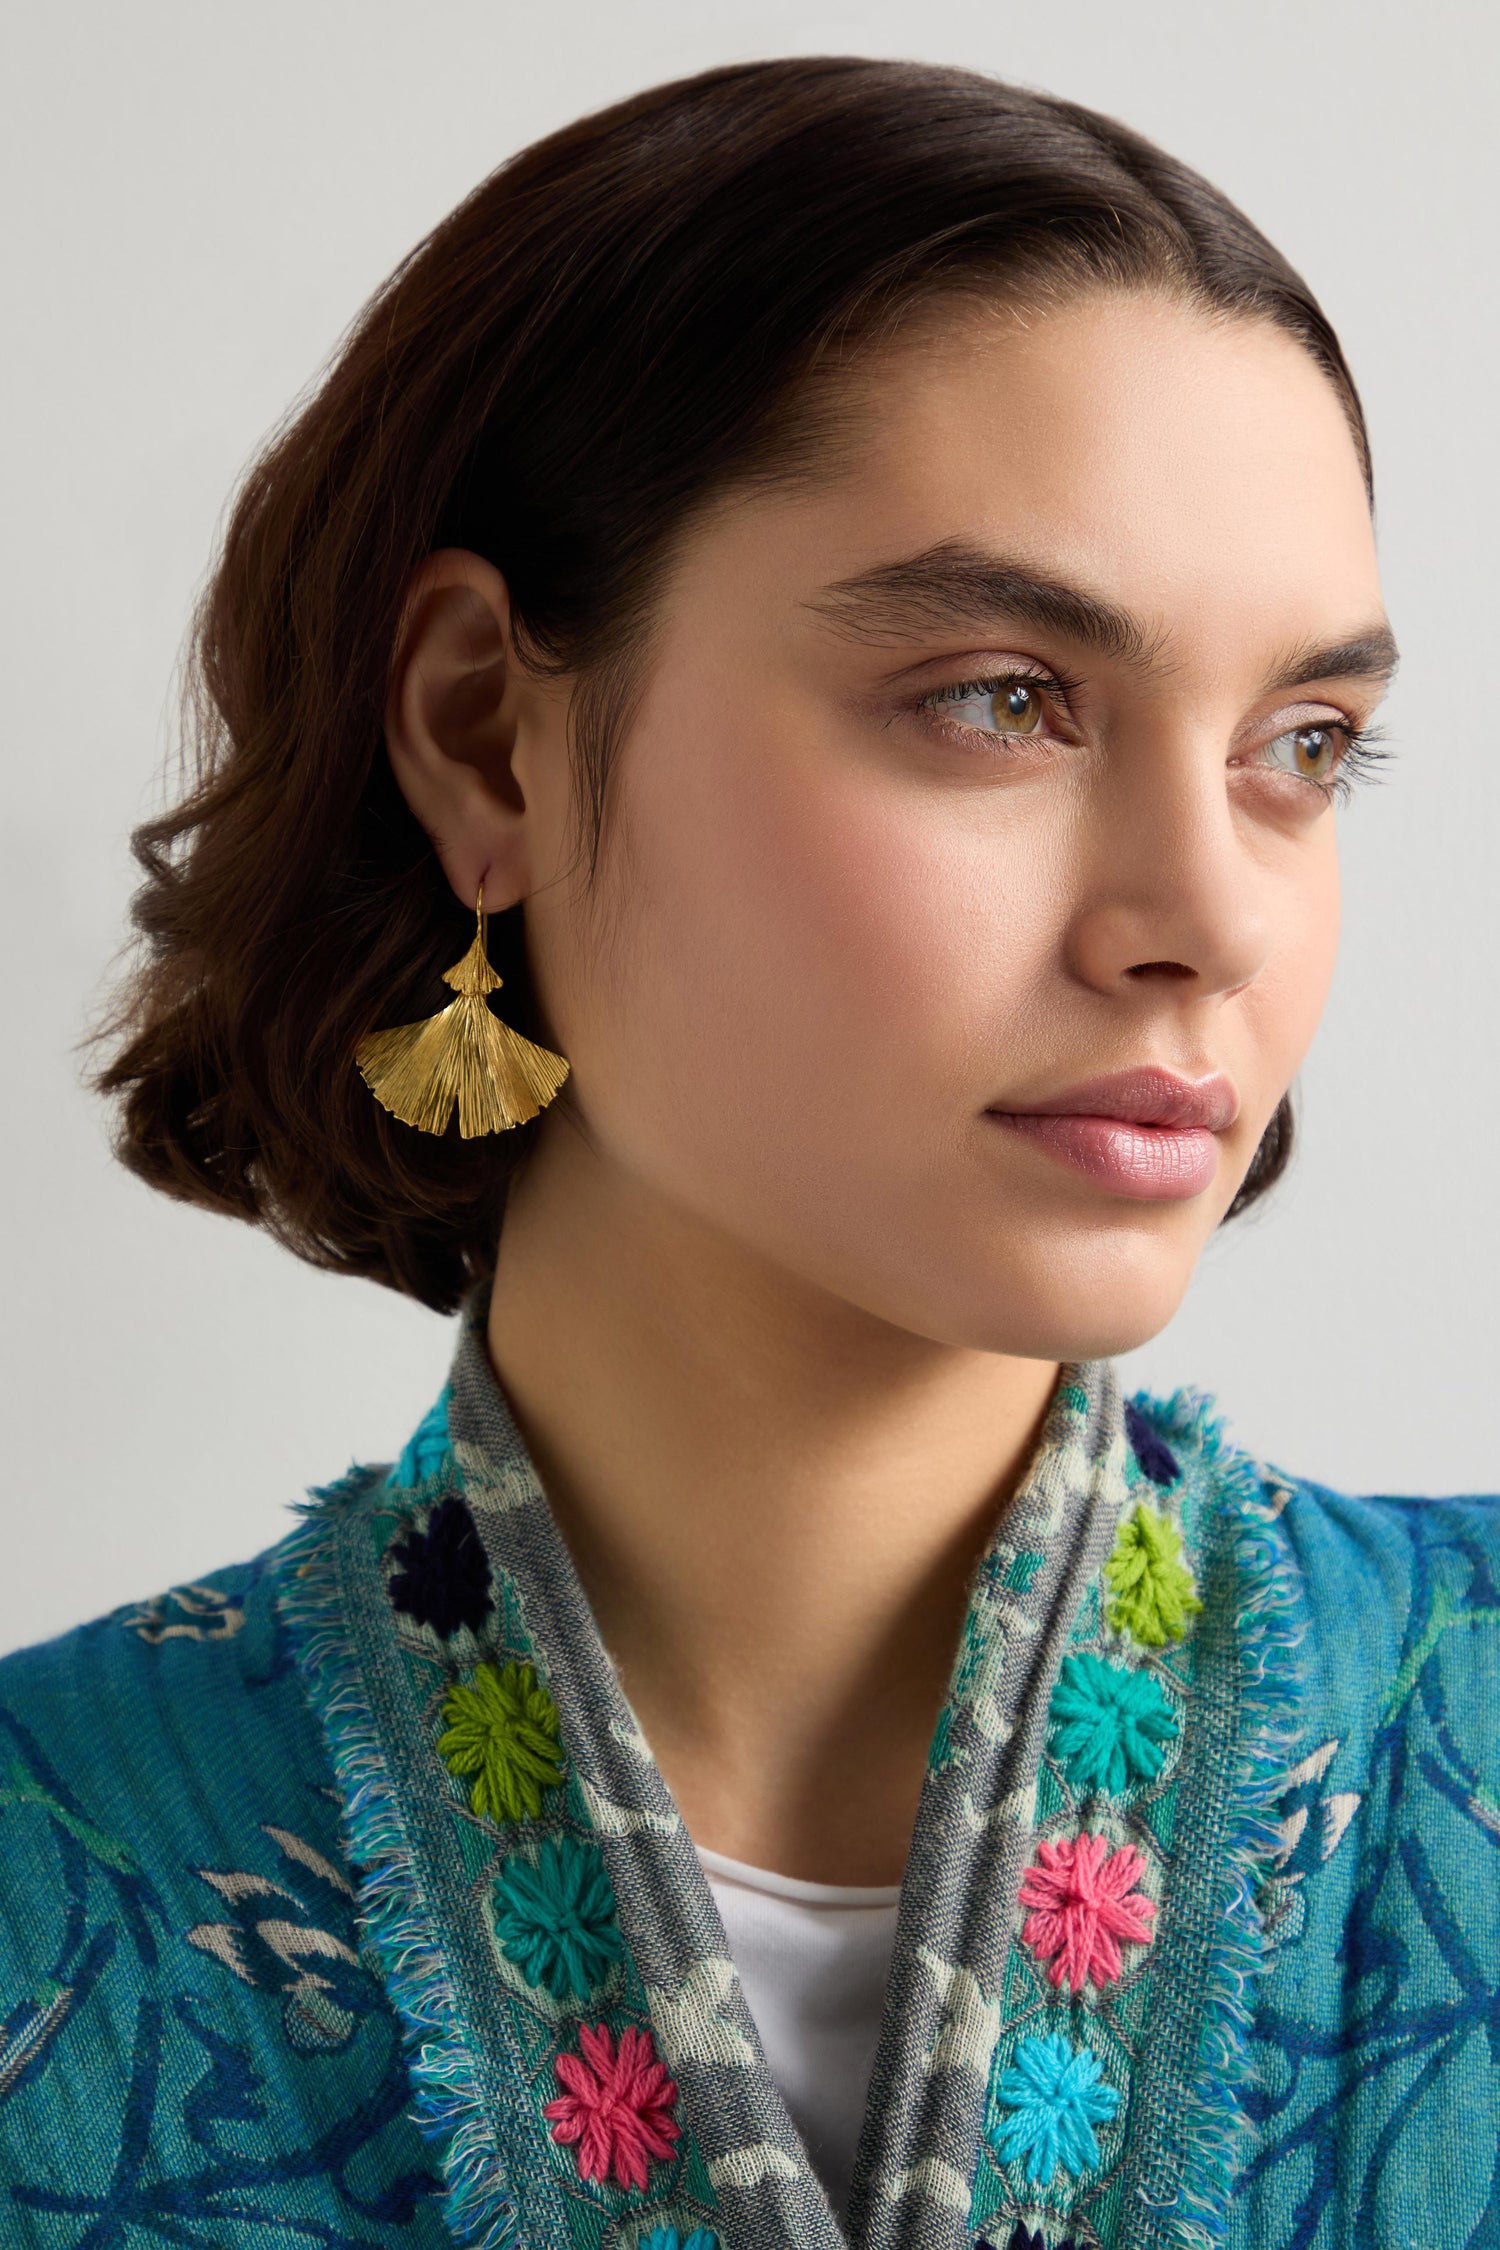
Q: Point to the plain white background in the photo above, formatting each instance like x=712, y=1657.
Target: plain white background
x=197, y=200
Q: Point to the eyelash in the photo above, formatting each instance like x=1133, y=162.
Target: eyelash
x=1359, y=762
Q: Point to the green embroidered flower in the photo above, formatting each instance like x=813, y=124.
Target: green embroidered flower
x=1153, y=1589
x=502, y=1727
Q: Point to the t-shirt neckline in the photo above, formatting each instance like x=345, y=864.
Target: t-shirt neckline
x=794, y=1887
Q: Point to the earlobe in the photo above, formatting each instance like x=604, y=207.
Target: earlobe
x=450, y=723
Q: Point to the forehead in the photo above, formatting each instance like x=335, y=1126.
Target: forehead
x=1198, y=472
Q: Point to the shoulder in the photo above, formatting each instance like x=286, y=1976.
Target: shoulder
x=183, y=1995
x=1375, y=1539
x=152, y=1705
x=1374, y=2067
x=1382, y=1592
x=157, y=1703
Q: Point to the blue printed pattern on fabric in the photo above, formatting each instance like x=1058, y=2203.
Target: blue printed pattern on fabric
x=192, y=2050
x=1376, y=2038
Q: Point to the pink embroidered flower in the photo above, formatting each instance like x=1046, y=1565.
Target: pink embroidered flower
x=1078, y=1891
x=616, y=2105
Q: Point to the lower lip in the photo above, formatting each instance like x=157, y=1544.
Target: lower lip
x=1154, y=1163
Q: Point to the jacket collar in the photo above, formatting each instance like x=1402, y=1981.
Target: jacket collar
x=579, y=2044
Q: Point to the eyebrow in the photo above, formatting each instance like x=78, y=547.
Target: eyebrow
x=953, y=584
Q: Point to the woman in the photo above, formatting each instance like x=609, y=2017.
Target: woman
x=860, y=580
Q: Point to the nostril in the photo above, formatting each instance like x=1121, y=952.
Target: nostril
x=1160, y=969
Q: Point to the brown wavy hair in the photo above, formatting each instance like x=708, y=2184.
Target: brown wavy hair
x=627, y=317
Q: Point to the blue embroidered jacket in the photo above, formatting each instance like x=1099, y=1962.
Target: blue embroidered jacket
x=342, y=1902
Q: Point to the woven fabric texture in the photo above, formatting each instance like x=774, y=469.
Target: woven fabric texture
x=342, y=1901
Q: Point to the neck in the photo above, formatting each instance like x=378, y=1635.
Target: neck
x=774, y=1501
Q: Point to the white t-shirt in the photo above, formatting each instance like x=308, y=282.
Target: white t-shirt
x=812, y=1958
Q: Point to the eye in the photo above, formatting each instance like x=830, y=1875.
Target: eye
x=1313, y=752
x=1008, y=704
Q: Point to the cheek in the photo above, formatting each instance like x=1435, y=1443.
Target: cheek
x=813, y=939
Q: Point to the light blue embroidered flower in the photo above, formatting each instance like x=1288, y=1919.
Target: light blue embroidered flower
x=1110, y=1725
x=556, y=1918
x=668, y=2238
x=1055, y=2094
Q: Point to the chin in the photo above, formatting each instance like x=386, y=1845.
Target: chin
x=1071, y=1295
x=1116, y=1330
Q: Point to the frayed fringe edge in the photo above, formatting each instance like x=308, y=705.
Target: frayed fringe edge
x=478, y=2208
x=1216, y=2132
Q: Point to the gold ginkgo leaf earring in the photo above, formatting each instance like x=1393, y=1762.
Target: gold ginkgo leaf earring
x=464, y=1054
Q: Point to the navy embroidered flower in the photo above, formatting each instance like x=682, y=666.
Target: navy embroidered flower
x=1023, y=2239
x=1110, y=1725
x=1157, y=1459
x=555, y=1918
x=1055, y=2094
x=444, y=1578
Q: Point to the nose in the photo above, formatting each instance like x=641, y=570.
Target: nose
x=1174, y=893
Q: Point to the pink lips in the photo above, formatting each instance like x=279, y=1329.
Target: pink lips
x=1144, y=1133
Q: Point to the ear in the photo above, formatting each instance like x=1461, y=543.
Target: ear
x=451, y=722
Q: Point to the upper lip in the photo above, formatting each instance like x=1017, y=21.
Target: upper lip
x=1150, y=1096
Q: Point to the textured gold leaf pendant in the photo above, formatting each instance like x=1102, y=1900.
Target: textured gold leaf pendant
x=462, y=1055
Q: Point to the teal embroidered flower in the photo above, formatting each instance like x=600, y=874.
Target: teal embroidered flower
x=1056, y=2097
x=1110, y=1725
x=668, y=2238
x=502, y=1727
x=556, y=1918
x=1153, y=1589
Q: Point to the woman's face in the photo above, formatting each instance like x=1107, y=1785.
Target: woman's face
x=876, y=889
